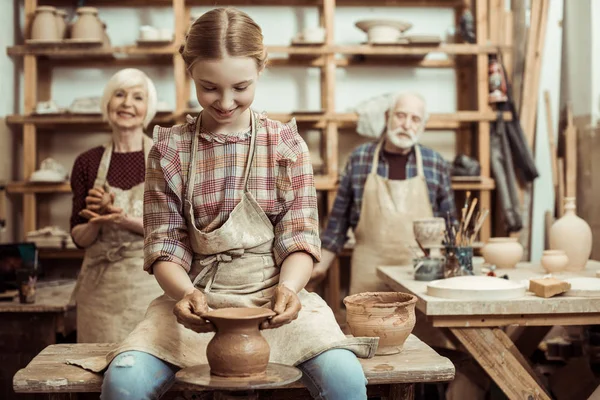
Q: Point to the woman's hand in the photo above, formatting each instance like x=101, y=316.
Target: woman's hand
x=287, y=306
x=99, y=201
x=113, y=216
x=189, y=311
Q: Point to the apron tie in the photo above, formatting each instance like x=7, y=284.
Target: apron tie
x=211, y=266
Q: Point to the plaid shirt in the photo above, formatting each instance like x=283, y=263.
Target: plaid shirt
x=281, y=180
x=348, y=202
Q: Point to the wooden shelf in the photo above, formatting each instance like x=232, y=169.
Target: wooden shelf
x=289, y=3
x=472, y=183
x=27, y=187
x=90, y=122
x=404, y=50
x=60, y=254
x=358, y=60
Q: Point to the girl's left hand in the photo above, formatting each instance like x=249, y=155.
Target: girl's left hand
x=116, y=216
x=287, y=306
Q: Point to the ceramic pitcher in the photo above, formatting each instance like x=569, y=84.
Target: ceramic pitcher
x=44, y=24
x=87, y=26
x=572, y=235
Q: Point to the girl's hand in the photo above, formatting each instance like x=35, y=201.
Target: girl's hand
x=287, y=306
x=189, y=311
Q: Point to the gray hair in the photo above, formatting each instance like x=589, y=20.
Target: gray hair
x=127, y=78
x=402, y=95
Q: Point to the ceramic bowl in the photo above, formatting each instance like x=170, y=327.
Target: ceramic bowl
x=429, y=231
x=503, y=252
x=554, y=260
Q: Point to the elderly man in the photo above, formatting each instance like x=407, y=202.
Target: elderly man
x=385, y=186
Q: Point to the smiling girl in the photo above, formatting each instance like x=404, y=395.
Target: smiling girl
x=230, y=220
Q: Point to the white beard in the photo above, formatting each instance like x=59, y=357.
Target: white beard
x=403, y=142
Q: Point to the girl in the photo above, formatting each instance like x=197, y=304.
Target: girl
x=230, y=219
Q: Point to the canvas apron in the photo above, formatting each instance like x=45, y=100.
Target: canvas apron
x=113, y=291
x=384, y=235
x=235, y=267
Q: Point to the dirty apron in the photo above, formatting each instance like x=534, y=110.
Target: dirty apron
x=234, y=266
x=384, y=235
x=113, y=291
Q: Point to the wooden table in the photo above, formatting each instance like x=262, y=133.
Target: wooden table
x=476, y=324
x=26, y=329
x=389, y=376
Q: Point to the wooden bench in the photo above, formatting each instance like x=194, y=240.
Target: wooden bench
x=389, y=376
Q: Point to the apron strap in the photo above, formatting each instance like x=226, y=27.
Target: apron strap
x=211, y=267
x=376, y=157
x=419, y=160
x=251, y=151
x=192, y=166
x=107, y=155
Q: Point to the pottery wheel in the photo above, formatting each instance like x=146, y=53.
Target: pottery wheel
x=277, y=375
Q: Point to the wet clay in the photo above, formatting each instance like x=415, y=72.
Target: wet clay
x=105, y=203
x=387, y=315
x=238, y=349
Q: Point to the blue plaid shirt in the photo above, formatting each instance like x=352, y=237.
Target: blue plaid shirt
x=348, y=202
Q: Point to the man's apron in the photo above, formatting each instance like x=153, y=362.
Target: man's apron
x=113, y=291
x=384, y=233
x=235, y=268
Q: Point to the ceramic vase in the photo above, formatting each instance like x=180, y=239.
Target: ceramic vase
x=87, y=26
x=44, y=24
x=238, y=349
x=554, y=261
x=503, y=252
x=387, y=315
x=572, y=235
x=61, y=23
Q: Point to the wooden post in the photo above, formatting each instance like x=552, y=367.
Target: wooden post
x=182, y=82
x=519, y=33
x=483, y=142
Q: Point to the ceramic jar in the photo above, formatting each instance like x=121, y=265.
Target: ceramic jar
x=87, y=26
x=61, y=23
x=44, y=24
x=572, y=235
x=387, y=315
x=503, y=252
x=238, y=349
x=429, y=231
x=554, y=260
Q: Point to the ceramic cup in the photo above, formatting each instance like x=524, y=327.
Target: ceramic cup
x=554, y=260
x=313, y=35
x=148, y=32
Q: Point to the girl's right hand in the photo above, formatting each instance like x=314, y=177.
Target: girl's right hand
x=189, y=311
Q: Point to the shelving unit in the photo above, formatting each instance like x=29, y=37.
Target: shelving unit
x=470, y=62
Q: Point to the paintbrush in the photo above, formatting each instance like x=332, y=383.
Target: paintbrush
x=425, y=252
x=470, y=214
x=479, y=224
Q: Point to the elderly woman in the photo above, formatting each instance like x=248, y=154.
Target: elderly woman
x=113, y=291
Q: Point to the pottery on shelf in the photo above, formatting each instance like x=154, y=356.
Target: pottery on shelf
x=61, y=23
x=554, y=260
x=238, y=349
x=383, y=30
x=390, y=316
x=429, y=231
x=572, y=235
x=503, y=252
x=44, y=24
x=87, y=26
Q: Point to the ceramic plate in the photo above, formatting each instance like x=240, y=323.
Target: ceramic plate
x=83, y=41
x=157, y=42
x=583, y=287
x=367, y=24
x=41, y=42
x=476, y=288
x=424, y=39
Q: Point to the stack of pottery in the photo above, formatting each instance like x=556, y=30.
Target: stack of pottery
x=503, y=252
x=429, y=232
x=572, y=235
x=49, y=26
x=390, y=316
x=384, y=31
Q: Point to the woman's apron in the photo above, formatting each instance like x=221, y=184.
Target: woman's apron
x=235, y=267
x=113, y=291
x=384, y=235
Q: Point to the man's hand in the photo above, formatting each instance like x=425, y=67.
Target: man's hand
x=189, y=311
x=287, y=306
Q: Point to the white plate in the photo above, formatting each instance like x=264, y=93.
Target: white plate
x=367, y=24
x=583, y=287
x=476, y=288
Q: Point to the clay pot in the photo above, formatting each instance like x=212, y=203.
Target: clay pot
x=61, y=23
x=503, y=252
x=44, y=24
x=87, y=26
x=238, y=349
x=429, y=231
x=554, y=260
x=390, y=316
x=573, y=235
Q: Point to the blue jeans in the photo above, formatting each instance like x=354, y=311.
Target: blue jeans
x=333, y=375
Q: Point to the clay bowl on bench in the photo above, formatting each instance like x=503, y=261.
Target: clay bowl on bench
x=238, y=349
x=390, y=316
